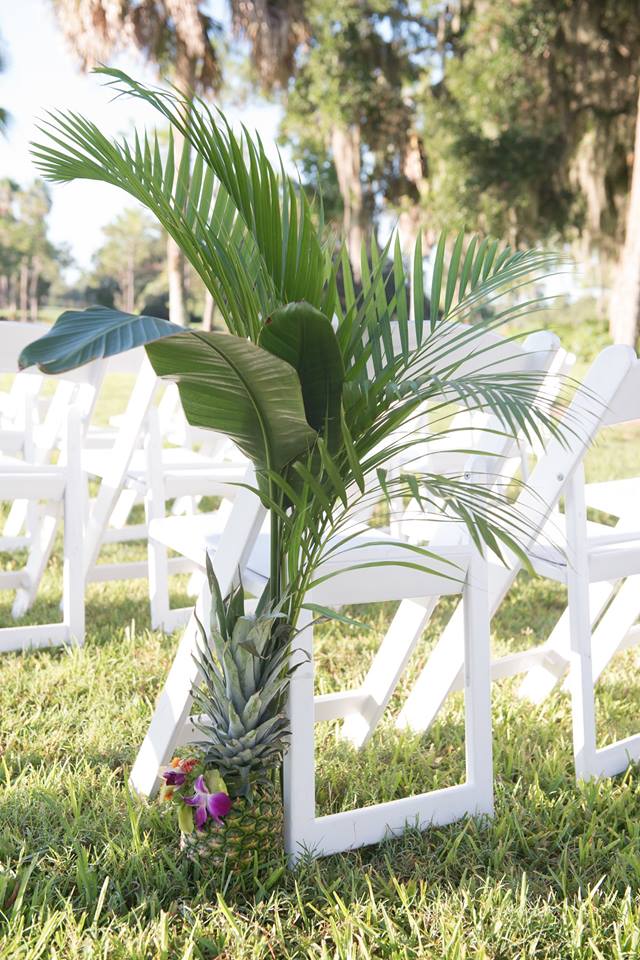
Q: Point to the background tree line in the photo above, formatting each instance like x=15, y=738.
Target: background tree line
x=518, y=119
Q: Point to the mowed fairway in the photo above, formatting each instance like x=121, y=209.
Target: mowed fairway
x=87, y=871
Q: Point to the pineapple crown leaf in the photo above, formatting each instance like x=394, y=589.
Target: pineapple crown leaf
x=218, y=602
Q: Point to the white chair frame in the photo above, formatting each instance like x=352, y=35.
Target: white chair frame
x=538, y=353
x=305, y=832
x=171, y=726
x=605, y=558
x=442, y=674
x=62, y=484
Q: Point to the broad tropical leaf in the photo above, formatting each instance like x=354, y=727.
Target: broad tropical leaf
x=233, y=386
x=304, y=337
x=79, y=336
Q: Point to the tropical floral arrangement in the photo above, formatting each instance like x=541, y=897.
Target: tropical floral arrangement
x=320, y=380
x=200, y=795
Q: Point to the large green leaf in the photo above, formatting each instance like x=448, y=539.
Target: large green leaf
x=304, y=337
x=79, y=336
x=231, y=385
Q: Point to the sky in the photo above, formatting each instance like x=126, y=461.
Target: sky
x=41, y=73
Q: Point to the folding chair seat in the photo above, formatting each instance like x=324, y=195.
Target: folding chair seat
x=57, y=486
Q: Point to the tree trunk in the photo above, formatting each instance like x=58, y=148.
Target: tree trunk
x=129, y=286
x=185, y=81
x=345, y=144
x=33, y=288
x=207, y=313
x=624, y=316
x=24, y=290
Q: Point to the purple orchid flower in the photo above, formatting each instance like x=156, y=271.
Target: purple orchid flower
x=174, y=778
x=214, y=805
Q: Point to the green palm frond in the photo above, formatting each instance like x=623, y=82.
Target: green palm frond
x=362, y=368
x=192, y=208
x=275, y=212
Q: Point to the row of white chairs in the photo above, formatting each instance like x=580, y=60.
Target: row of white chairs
x=599, y=564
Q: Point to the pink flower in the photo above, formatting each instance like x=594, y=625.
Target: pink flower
x=214, y=805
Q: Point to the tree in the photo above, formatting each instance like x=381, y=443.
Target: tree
x=131, y=255
x=354, y=68
x=174, y=34
x=4, y=115
x=29, y=262
x=530, y=122
x=353, y=99
x=625, y=297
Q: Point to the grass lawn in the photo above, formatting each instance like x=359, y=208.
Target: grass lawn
x=87, y=871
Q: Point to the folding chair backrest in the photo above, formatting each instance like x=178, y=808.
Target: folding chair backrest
x=26, y=385
x=491, y=353
x=128, y=362
x=606, y=393
x=175, y=428
x=607, y=387
x=126, y=442
x=481, y=430
x=75, y=387
x=451, y=343
x=14, y=337
x=625, y=405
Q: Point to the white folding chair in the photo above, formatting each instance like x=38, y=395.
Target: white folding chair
x=28, y=525
x=192, y=538
x=499, y=454
x=125, y=477
x=603, y=557
x=333, y=833
x=57, y=485
x=243, y=543
x=442, y=673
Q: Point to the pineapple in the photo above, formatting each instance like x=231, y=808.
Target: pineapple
x=252, y=826
x=245, y=665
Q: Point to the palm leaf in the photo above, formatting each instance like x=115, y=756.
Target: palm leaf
x=79, y=336
x=304, y=337
x=235, y=387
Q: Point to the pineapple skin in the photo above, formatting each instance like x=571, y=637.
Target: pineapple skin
x=250, y=827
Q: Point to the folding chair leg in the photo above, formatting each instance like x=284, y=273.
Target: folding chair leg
x=74, y=515
x=542, y=679
x=580, y=670
x=299, y=803
x=155, y=509
x=39, y=554
x=124, y=505
x=388, y=666
x=17, y=518
x=442, y=672
x=171, y=712
x=610, y=633
x=477, y=684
